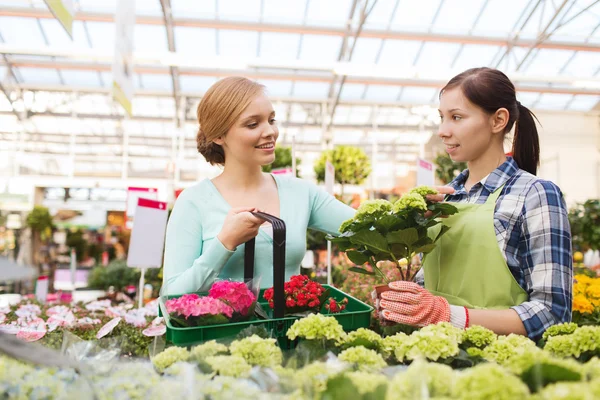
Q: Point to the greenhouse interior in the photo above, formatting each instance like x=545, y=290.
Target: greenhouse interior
x=300, y=199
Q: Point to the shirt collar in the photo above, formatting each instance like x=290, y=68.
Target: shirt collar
x=493, y=181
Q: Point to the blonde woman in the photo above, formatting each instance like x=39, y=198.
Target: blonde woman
x=212, y=220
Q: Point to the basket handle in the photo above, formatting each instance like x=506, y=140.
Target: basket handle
x=279, y=238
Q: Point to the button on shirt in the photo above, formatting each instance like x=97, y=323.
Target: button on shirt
x=533, y=232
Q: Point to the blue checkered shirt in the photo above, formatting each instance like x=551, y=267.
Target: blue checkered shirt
x=534, y=236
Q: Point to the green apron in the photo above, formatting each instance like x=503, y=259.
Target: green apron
x=467, y=267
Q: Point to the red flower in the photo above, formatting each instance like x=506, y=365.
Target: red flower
x=299, y=291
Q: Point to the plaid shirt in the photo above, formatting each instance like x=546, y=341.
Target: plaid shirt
x=533, y=232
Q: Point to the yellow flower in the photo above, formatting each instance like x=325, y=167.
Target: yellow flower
x=578, y=256
x=593, y=291
x=584, y=279
x=582, y=304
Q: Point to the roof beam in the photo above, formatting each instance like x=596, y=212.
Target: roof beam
x=535, y=84
x=315, y=30
x=168, y=21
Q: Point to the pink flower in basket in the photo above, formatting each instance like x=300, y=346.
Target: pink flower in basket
x=236, y=294
x=191, y=305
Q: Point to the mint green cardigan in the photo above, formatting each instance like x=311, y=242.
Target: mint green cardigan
x=195, y=258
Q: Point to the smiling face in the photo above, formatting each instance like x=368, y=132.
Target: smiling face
x=251, y=139
x=467, y=131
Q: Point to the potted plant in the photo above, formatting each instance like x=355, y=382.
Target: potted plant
x=351, y=165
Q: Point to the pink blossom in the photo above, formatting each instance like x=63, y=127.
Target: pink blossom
x=193, y=305
x=27, y=310
x=58, y=310
x=236, y=294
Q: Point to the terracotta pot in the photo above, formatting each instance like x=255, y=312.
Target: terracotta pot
x=380, y=289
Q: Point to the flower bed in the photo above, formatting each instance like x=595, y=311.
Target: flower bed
x=436, y=361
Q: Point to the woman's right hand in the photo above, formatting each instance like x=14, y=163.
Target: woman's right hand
x=442, y=192
x=240, y=226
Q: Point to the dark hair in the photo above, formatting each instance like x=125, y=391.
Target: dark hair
x=490, y=89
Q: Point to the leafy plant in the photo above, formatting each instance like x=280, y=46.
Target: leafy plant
x=283, y=159
x=351, y=165
x=40, y=221
x=585, y=225
x=382, y=231
x=447, y=169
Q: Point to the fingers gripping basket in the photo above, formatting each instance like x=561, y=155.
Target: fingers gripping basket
x=356, y=315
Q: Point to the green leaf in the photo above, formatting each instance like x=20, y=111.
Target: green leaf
x=357, y=257
x=388, y=223
x=422, y=242
x=359, y=270
x=399, y=250
x=541, y=374
x=444, y=229
x=405, y=236
x=444, y=208
x=425, y=248
x=373, y=240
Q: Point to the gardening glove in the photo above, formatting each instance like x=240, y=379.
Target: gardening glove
x=410, y=304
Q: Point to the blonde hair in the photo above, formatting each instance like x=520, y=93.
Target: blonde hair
x=218, y=110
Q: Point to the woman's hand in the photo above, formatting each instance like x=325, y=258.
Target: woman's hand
x=438, y=198
x=240, y=226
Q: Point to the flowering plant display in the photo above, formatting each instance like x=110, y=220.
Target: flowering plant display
x=586, y=300
x=303, y=294
x=396, y=232
x=227, y=301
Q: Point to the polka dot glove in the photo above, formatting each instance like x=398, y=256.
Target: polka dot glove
x=410, y=304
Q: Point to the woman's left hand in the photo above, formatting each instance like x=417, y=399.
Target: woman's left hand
x=410, y=304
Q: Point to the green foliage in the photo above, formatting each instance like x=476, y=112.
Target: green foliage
x=39, y=219
x=383, y=231
x=117, y=274
x=447, y=169
x=585, y=225
x=76, y=240
x=283, y=159
x=351, y=164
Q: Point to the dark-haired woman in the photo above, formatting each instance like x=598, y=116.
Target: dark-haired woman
x=506, y=262
x=213, y=219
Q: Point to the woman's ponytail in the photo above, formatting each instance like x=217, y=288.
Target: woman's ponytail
x=526, y=143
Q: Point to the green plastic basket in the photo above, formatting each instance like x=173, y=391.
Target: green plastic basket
x=356, y=315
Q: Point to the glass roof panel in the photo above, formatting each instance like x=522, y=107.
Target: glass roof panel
x=81, y=78
x=528, y=99
x=433, y=52
x=195, y=84
x=239, y=10
x=400, y=53
x=584, y=64
x=417, y=95
x=584, y=103
x=342, y=115
x=499, y=17
x=409, y=18
x=157, y=81
x=195, y=41
x=39, y=75
x=580, y=26
x=548, y=62
x=553, y=101
x=360, y=115
x=352, y=91
x=108, y=6
x=21, y=32
x=57, y=36
x=321, y=48
x=474, y=55
x=330, y=12
x=318, y=90
x=237, y=44
x=193, y=9
x=381, y=15
x=284, y=12
x=382, y=93
x=457, y=16
x=150, y=38
x=277, y=88
x=102, y=35
x=366, y=50
x=279, y=46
